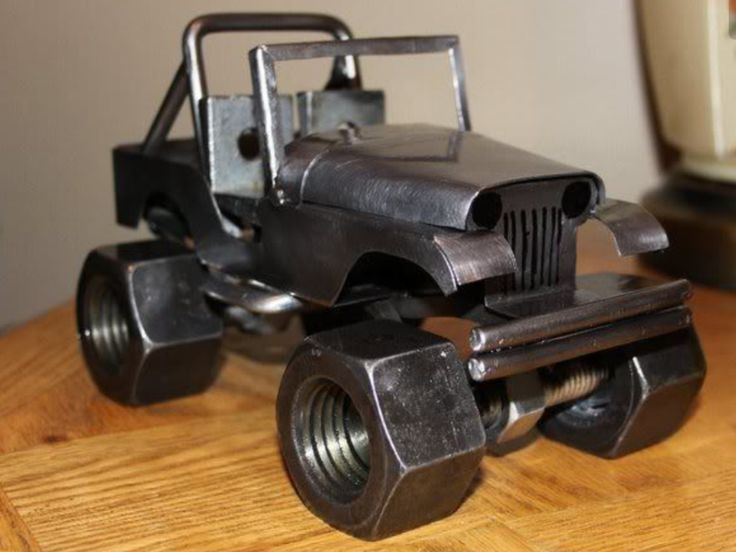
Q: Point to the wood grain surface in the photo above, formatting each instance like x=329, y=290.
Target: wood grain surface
x=78, y=472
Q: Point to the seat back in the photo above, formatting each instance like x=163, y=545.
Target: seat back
x=325, y=110
x=233, y=157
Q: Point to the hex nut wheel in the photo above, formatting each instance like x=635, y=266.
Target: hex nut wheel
x=652, y=387
x=146, y=331
x=378, y=427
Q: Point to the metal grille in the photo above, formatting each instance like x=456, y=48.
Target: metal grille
x=535, y=236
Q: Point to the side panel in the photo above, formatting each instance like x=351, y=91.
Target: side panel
x=139, y=177
x=309, y=250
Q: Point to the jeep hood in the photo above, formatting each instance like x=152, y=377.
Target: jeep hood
x=417, y=173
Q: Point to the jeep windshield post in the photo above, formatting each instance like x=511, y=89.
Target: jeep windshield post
x=263, y=74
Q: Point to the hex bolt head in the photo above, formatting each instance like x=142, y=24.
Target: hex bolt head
x=522, y=408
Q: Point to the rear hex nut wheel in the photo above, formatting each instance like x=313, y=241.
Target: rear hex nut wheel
x=378, y=427
x=146, y=331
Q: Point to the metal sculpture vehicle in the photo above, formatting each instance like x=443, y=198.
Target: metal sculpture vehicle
x=364, y=230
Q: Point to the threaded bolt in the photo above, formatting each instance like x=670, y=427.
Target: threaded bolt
x=560, y=385
x=572, y=382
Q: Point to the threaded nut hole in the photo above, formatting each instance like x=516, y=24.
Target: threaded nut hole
x=334, y=440
x=106, y=324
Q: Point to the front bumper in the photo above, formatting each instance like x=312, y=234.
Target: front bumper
x=604, y=311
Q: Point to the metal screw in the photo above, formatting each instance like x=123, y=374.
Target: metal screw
x=573, y=382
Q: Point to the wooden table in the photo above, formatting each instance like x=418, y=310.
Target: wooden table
x=78, y=472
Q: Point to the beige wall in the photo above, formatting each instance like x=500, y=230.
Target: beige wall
x=560, y=77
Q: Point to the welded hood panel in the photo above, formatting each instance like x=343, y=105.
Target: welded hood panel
x=417, y=173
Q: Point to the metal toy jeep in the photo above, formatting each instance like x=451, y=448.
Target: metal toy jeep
x=364, y=230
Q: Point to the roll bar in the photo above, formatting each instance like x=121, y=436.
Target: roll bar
x=190, y=77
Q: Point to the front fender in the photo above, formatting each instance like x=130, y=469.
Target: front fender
x=474, y=256
x=634, y=229
x=309, y=250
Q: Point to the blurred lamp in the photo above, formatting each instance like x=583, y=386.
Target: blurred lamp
x=691, y=53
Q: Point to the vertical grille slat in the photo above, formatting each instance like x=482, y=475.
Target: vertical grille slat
x=535, y=251
x=509, y=278
x=552, y=228
x=542, y=255
x=559, y=241
x=535, y=235
x=524, y=249
x=513, y=246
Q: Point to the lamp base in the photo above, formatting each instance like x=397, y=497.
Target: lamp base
x=699, y=216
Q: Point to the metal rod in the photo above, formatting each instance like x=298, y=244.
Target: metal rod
x=362, y=47
x=535, y=328
x=459, y=87
x=508, y=362
x=174, y=99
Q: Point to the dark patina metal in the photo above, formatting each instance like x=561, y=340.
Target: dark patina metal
x=364, y=229
x=147, y=332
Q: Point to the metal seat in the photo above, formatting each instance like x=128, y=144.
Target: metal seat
x=325, y=110
x=231, y=141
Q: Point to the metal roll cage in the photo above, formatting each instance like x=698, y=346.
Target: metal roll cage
x=190, y=78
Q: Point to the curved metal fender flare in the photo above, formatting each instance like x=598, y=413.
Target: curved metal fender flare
x=634, y=229
x=474, y=256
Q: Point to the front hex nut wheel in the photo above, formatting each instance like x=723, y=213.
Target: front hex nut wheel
x=378, y=427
